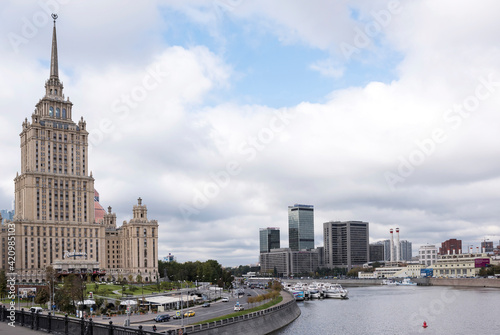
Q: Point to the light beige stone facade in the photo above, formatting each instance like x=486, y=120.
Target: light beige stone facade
x=54, y=221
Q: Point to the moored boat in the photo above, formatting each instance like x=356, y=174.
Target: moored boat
x=336, y=291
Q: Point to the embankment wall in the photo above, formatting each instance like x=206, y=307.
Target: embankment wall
x=266, y=322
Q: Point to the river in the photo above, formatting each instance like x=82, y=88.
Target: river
x=401, y=310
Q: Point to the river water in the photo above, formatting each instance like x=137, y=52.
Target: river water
x=401, y=310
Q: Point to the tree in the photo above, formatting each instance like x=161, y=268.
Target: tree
x=42, y=296
x=63, y=302
x=99, y=302
x=74, y=288
x=50, y=277
x=3, y=284
x=482, y=272
x=354, y=271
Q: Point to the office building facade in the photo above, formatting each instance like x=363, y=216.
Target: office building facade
x=269, y=239
x=346, y=243
x=301, y=227
x=376, y=252
x=285, y=262
x=406, y=250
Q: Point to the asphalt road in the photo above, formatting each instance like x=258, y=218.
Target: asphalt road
x=216, y=309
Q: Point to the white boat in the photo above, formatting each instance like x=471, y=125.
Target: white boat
x=314, y=292
x=336, y=291
x=390, y=282
x=406, y=282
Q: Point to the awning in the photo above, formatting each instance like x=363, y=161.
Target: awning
x=128, y=302
x=86, y=302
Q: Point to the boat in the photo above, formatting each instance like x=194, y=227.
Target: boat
x=336, y=291
x=390, y=282
x=298, y=295
x=406, y=282
x=314, y=292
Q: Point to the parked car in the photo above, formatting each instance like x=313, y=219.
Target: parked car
x=189, y=314
x=207, y=304
x=162, y=318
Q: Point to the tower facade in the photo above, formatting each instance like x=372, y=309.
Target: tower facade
x=54, y=222
x=346, y=243
x=406, y=250
x=269, y=239
x=301, y=227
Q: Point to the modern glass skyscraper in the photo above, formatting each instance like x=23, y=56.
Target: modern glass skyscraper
x=301, y=227
x=269, y=239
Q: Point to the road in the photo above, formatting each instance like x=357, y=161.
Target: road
x=216, y=309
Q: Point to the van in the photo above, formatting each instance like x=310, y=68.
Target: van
x=35, y=309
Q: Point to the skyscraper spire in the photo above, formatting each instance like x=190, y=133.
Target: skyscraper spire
x=54, y=70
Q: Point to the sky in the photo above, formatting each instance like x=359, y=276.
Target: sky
x=220, y=114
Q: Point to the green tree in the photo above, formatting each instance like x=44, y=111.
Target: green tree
x=354, y=271
x=3, y=284
x=42, y=296
x=74, y=288
x=99, y=302
x=63, y=302
x=482, y=272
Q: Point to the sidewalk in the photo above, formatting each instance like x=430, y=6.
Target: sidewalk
x=5, y=329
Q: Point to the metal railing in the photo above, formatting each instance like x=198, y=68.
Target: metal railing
x=63, y=325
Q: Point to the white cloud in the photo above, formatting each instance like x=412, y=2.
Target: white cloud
x=172, y=142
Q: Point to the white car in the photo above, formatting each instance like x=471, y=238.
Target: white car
x=225, y=299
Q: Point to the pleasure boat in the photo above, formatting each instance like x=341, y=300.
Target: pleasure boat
x=407, y=282
x=336, y=291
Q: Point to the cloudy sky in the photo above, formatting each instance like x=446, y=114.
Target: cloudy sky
x=221, y=113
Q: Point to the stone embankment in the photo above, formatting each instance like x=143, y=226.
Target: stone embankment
x=258, y=323
x=466, y=282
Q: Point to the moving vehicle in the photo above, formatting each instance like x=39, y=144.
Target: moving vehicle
x=177, y=315
x=207, y=304
x=36, y=309
x=162, y=318
x=238, y=307
x=225, y=299
x=189, y=314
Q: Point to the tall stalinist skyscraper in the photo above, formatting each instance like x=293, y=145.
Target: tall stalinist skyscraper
x=55, y=223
